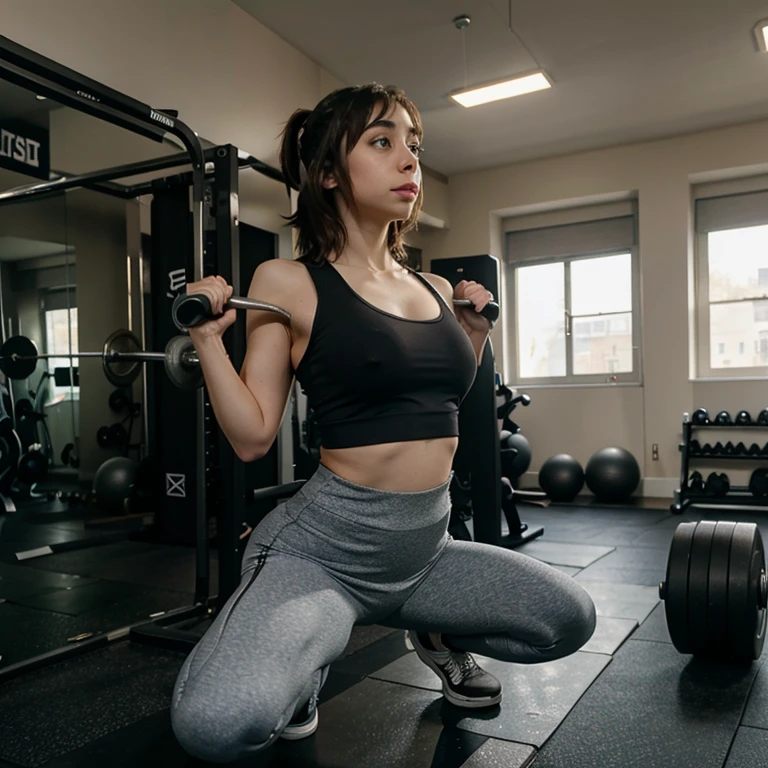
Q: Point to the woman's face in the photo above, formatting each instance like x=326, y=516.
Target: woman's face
x=384, y=167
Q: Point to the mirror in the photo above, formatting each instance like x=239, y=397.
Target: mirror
x=38, y=288
x=71, y=273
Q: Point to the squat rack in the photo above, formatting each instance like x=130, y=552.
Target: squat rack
x=45, y=77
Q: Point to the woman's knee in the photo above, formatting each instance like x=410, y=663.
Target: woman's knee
x=222, y=731
x=573, y=627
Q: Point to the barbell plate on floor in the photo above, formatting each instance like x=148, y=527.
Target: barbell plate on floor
x=676, y=587
x=181, y=372
x=121, y=373
x=717, y=609
x=746, y=616
x=22, y=347
x=698, y=587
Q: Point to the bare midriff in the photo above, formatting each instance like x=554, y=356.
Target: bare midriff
x=415, y=465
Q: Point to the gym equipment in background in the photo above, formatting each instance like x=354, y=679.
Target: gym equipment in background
x=612, y=474
x=120, y=358
x=561, y=477
x=515, y=454
x=718, y=489
x=477, y=485
x=113, y=484
x=715, y=591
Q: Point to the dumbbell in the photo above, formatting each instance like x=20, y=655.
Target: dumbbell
x=758, y=483
x=717, y=485
x=696, y=483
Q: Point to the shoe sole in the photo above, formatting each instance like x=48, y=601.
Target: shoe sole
x=454, y=698
x=296, y=732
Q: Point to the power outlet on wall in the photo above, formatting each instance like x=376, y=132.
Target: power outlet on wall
x=655, y=451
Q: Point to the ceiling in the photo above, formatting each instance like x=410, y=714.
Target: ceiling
x=622, y=71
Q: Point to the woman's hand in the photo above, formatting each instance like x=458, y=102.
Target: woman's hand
x=218, y=292
x=468, y=316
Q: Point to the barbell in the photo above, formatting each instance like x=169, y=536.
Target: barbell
x=122, y=353
x=120, y=357
x=715, y=593
x=190, y=310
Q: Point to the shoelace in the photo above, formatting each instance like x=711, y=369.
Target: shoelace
x=460, y=666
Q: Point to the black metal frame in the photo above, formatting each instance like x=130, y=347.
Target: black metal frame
x=737, y=496
x=102, y=180
x=45, y=77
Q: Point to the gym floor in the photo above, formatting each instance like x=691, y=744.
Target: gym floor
x=628, y=698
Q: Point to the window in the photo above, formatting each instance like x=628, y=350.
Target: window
x=60, y=334
x=732, y=285
x=574, y=318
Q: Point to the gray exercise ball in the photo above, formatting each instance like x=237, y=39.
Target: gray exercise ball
x=612, y=474
x=561, y=477
x=113, y=482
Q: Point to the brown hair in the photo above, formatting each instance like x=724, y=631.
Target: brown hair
x=316, y=140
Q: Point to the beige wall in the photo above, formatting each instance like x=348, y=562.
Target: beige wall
x=578, y=420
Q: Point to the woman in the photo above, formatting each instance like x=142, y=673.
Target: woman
x=385, y=364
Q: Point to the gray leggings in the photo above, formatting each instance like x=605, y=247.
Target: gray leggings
x=339, y=554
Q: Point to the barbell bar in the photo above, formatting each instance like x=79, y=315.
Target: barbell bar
x=122, y=350
x=193, y=309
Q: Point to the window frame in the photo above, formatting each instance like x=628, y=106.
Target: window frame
x=704, y=370
x=570, y=379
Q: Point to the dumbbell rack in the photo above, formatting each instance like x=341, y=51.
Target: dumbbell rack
x=737, y=496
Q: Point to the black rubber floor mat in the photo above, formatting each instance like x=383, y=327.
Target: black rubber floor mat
x=60, y=708
x=653, y=708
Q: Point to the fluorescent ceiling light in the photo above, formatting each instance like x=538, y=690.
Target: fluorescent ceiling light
x=506, y=89
x=761, y=34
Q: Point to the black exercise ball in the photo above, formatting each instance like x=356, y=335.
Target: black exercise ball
x=561, y=477
x=514, y=465
x=612, y=474
x=113, y=482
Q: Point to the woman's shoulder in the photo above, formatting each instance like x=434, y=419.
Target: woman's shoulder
x=278, y=279
x=441, y=285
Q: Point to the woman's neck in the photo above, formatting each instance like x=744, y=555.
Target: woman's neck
x=366, y=247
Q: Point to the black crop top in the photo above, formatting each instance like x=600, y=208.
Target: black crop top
x=372, y=377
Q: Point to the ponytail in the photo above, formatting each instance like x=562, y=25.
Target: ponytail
x=290, y=159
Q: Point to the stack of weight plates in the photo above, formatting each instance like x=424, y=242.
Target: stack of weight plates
x=715, y=592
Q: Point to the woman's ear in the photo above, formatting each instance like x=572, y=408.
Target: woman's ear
x=329, y=182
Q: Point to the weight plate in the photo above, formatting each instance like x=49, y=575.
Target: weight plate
x=121, y=373
x=183, y=374
x=676, y=596
x=717, y=609
x=698, y=587
x=22, y=347
x=746, y=618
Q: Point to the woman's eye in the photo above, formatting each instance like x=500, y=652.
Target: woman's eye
x=383, y=138
x=416, y=149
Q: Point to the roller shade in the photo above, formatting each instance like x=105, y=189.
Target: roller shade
x=749, y=209
x=61, y=299
x=589, y=237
